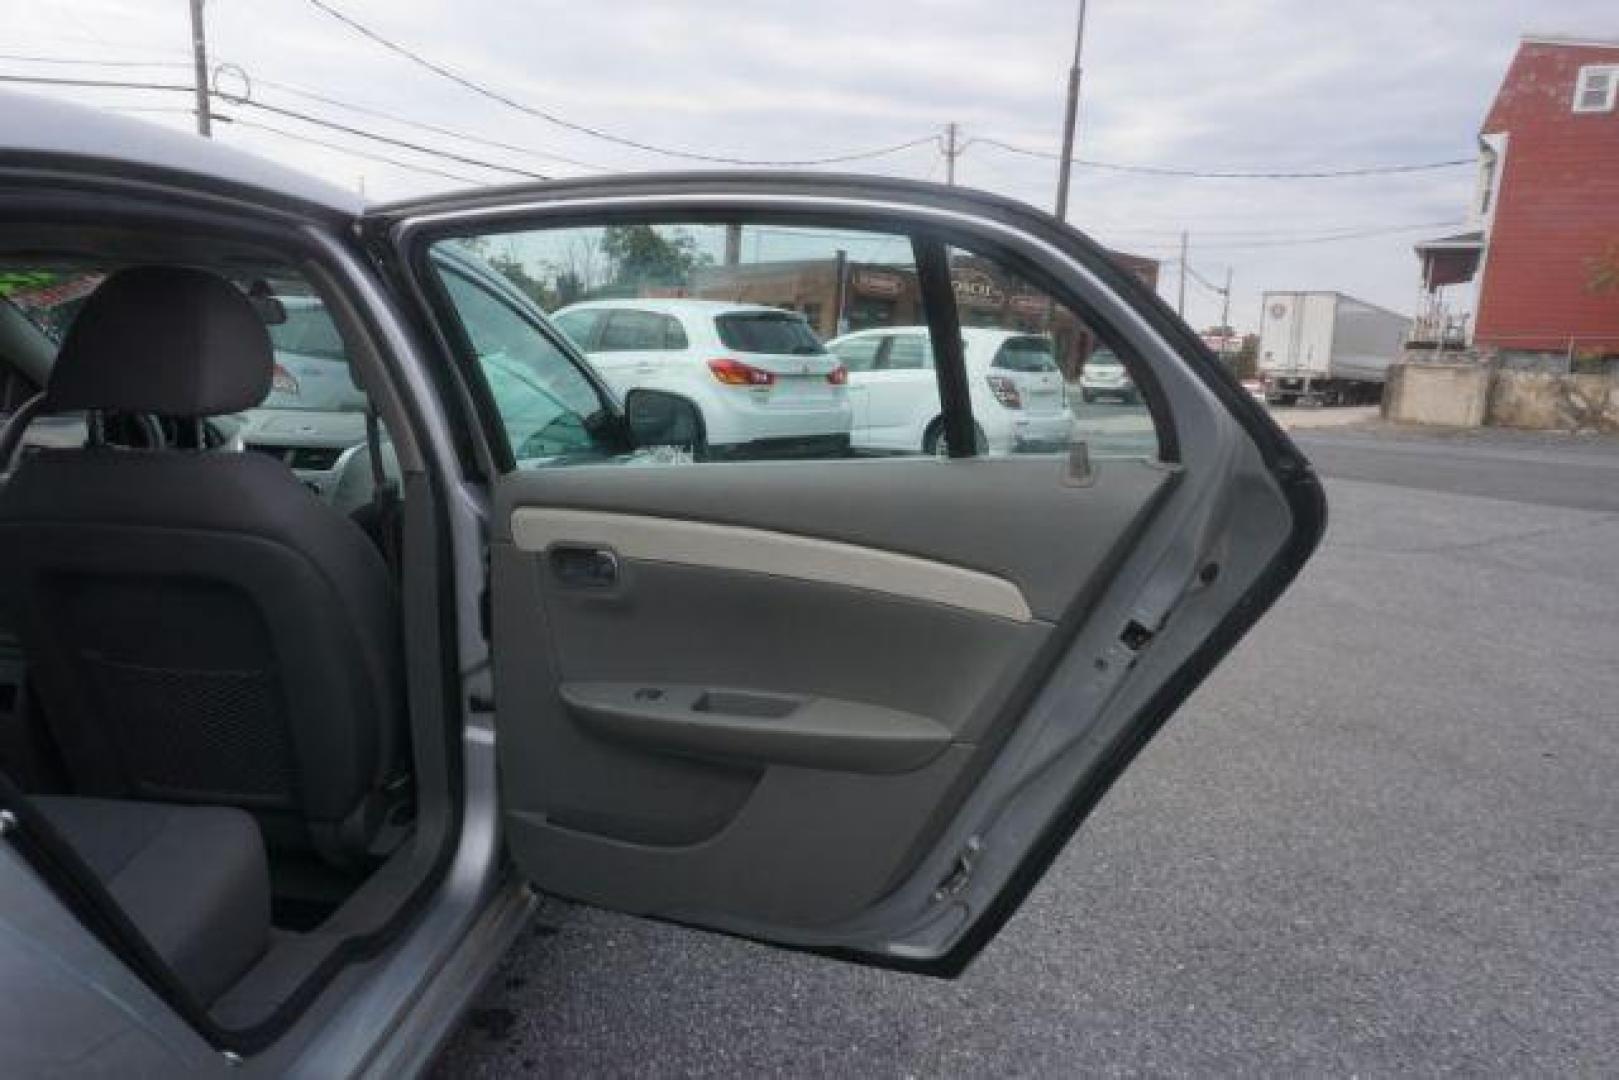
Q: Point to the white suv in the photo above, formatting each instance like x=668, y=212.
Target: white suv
x=1105, y=377
x=761, y=382
x=1019, y=398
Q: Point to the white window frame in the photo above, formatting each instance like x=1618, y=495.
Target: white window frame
x=1582, y=84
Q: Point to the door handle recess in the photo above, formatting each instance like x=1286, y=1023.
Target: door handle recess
x=770, y=729
x=584, y=566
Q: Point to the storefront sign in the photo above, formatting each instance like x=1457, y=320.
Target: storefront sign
x=877, y=283
x=974, y=288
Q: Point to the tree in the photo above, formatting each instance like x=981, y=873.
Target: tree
x=514, y=271
x=640, y=255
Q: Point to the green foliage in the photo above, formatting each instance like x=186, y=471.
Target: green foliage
x=640, y=255
x=512, y=268
x=12, y=281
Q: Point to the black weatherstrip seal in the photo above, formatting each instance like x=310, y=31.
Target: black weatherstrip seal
x=944, y=329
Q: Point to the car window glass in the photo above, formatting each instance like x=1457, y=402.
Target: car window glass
x=718, y=338
x=1027, y=354
x=768, y=332
x=780, y=301
x=859, y=354
x=674, y=335
x=311, y=372
x=578, y=325
x=550, y=410
x=909, y=352
x=629, y=330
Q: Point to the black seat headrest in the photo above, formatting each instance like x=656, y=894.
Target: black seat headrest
x=164, y=339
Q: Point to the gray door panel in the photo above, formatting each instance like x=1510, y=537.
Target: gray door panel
x=716, y=740
x=911, y=506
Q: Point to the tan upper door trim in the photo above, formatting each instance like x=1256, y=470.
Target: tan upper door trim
x=762, y=551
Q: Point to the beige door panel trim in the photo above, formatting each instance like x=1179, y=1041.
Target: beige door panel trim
x=762, y=551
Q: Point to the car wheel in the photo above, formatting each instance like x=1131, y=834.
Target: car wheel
x=935, y=444
x=1086, y=396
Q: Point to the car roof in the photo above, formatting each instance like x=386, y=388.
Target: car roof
x=992, y=334
x=675, y=306
x=45, y=131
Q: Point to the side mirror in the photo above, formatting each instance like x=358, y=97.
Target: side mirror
x=656, y=418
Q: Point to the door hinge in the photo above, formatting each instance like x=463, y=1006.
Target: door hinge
x=962, y=872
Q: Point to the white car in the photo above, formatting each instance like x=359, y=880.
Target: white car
x=761, y=382
x=1019, y=399
x=1104, y=377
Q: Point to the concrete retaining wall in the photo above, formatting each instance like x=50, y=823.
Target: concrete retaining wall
x=1525, y=399
x=1443, y=395
x=1471, y=395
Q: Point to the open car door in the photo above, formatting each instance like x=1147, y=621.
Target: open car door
x=854, y=699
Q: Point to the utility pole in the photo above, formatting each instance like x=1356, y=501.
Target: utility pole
x=952, y=150
x=1225, y=313
x=1180, y=303
x=1070, y=119
x=199, y=56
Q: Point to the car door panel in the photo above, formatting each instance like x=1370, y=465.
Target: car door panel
x=858, y=705
x=726, y=691
x=1007, y=535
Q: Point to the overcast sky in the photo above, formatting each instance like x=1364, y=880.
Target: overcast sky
x=1210, y=84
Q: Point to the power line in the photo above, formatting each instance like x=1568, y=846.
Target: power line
x=406, y=144
x=66, y=61
x=428, y=169
x=176, y=109
x=111, y=84
x=1199, y=279
x=293, y=114
x=593, y=132
x=1332, y=238
x=1228, y=174
x=310, y=95
x=380, y=114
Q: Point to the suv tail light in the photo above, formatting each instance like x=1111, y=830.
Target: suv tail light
x=736, y=373
x=283, y=381
x=838, y=376
x=1005, y=391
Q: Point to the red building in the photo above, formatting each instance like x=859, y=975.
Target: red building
x=1548, y=209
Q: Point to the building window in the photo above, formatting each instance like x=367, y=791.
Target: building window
x=1596, y=89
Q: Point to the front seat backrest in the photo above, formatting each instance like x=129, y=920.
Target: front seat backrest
x=200, y=627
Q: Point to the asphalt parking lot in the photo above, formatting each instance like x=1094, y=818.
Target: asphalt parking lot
x=1383, y=838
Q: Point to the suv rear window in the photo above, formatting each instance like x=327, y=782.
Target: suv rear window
x=308, y=330
x=631, y=331
x=769, y=332
x=1026, y=354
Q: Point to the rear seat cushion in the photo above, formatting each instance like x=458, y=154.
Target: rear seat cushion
x=194, y=879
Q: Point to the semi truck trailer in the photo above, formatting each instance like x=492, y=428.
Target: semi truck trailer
x=1325, y=348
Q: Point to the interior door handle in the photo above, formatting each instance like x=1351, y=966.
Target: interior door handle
x=584, y=566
